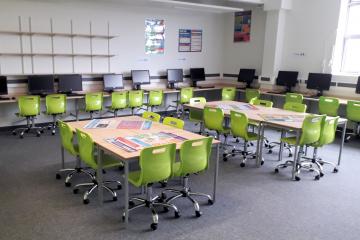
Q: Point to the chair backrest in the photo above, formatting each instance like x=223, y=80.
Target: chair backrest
x=328, y=130
x=239, y=123
x=67, y=137
x=86, y=149
x=151, y=116
x=213, y=118
x=251, y=93
x=329, y=106
x=311, y=129
x=118, y=100
x=174, y=122
x=185, y=94
x=29, y=105
x=194, y=114
x=156, y=163
x=295, y=107
x=136, y=98
x=228, y=93
x=260, y=102
x=155, y=97
x=194, y=155
x=93, y=101
x=294, y=97
x=55, y=104
x=353, y=111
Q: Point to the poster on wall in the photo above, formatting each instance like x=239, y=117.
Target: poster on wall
x=242, y=26
x=154, y=36
x=190, y=40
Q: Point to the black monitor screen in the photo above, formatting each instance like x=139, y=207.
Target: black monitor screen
x=319, y=81
x=3, y=85
x=41, y=84
x=140, y=77
x=358, y=86
x=69, y=83
x=246, y=75
x=174, y=75
x=287, y=78
x=197, y=74
x=113, y=81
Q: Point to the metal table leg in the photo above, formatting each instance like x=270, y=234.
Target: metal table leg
x=262, y=133
x=295, y=155
x=216, y=170
x=77, y=109
x=281, y=146
x=126, y=195
x=99, y=176
x=342, y=142
x=62, y=157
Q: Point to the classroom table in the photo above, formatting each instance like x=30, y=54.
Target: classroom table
x=266, y=117
x=99, y=136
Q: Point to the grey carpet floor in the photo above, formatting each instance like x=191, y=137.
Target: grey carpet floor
x=252, y=203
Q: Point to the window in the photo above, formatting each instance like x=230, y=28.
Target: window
x=351, y=43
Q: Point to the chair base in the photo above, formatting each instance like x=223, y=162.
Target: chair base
x=272, y=145
x=319, y=163
x=151, y=203
x=71, y=172
x=244, y=153
x=30, y=127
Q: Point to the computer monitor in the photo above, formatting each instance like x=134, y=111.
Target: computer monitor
x=41, y=84
x=174, y=76
x=140, y=77
x=247, y=76
x=113, y=81
x=287, y=79
x=196, y=75
x=3, y=85
x=358, y=86
x=319, y=81
x=69, y=83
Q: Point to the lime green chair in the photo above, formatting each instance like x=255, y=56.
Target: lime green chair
x=196, y=116
x=174, y=122
x=329, y=106
x=93, y=103
x=185, y=95
x=119, y=101
x=67, y=143
x=87, y=155
x=239, y=125
x=214, y=121
x=155, y=166
x=55, y=106
x=294, y=97
x=259, y=102
x=294, y=107
x=151, y=116
x=353, y=115
x=194, y=158
x=327, y=136
x=155, y=99
x=136, y=99
x=251, y=93
x=228, y=93
x=29, y=108
x=310, y=133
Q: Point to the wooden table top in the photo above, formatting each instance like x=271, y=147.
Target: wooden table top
x=99, y=135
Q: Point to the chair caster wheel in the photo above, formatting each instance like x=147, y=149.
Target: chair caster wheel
x=253, y=157
x=119, y=187
x=58, y=176
x=266, y=145
x=225, y=159
x=121, y=168
x=270, y=151
x=335, y=170
x=21, y=136
x=210, y=202
x=38, y=134
x=177, y=214
x=224, y=154
x=153, y=226
x=163, y=196
x=165, y=209
x=233, y=155
x=317, y=177
x=242, y=164
x=131, y=203
x=262, y=162
x=198, y=213
x=276, y=170
x=297, y=178
x=41, y=131
x=290, y=155
x=75, y=191
x=14, y=133
x=251, y=144
x=86, y=201
x=53, y=133
x=321, y=174
x=163, y=184
x=67, y=184
x=237, y=140
x=114, y=199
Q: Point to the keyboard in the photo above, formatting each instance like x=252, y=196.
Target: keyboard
x=242, y=88
x=74, y=94
x=277, y=92
x=204, y=87
x=4, y=99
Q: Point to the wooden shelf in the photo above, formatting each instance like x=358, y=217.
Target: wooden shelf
x=59, y=34
x=55, y=55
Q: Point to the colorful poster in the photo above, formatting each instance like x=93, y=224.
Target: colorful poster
x=282, y=118
x=133, y=124
x=242, y=26
x=154, y=36
x=190, y=40
x=98, y=123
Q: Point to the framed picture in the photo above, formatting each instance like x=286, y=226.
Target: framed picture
x=242, y=26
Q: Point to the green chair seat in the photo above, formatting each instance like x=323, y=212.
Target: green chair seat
x=289, y=140
x=251, y=94
x=329, y=106
x=134, y=178
x=228, y=93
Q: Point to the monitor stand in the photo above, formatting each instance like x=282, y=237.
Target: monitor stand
x=171, y=85
x=319, y=93
x=136, y=87
x=194, y=84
